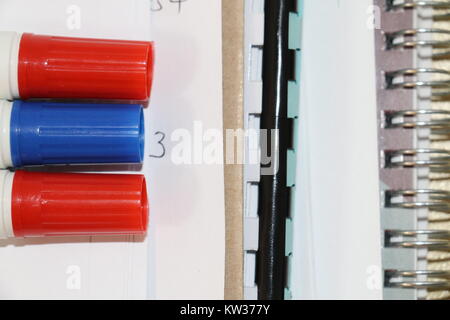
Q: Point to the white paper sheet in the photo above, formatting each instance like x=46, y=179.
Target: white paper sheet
x=183, y=254
x=336, y=244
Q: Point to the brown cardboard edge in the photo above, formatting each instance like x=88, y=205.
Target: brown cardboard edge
x=233, y=82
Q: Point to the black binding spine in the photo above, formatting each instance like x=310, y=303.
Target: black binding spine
x=273, y=193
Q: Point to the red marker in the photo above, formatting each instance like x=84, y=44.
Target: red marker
x=36, y=204
x=42, y=66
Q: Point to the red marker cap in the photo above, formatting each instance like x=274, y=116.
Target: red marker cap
x=42, y=66
x=38, y=204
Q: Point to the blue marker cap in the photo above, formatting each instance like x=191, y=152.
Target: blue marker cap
x=71, y=133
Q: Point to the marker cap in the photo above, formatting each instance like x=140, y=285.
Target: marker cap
x=57, y=204
x=69, y=133
x=65, y=67
x=42, y=66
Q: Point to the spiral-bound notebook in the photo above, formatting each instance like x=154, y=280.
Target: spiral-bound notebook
x=371, y=216
x=370, y=188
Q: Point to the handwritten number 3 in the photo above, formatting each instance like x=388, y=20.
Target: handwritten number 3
x=160, y=142
x=158, y=6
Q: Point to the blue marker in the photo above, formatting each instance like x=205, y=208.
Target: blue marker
x=38, y=133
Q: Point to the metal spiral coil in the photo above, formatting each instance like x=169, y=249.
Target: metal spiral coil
x=417, y=279
x=400, y=39
x=437, y=200
x=392, y=76
x=416, y=119
x=395, y=5
x=437, y=160
x=413, y=4
x=411, y=239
